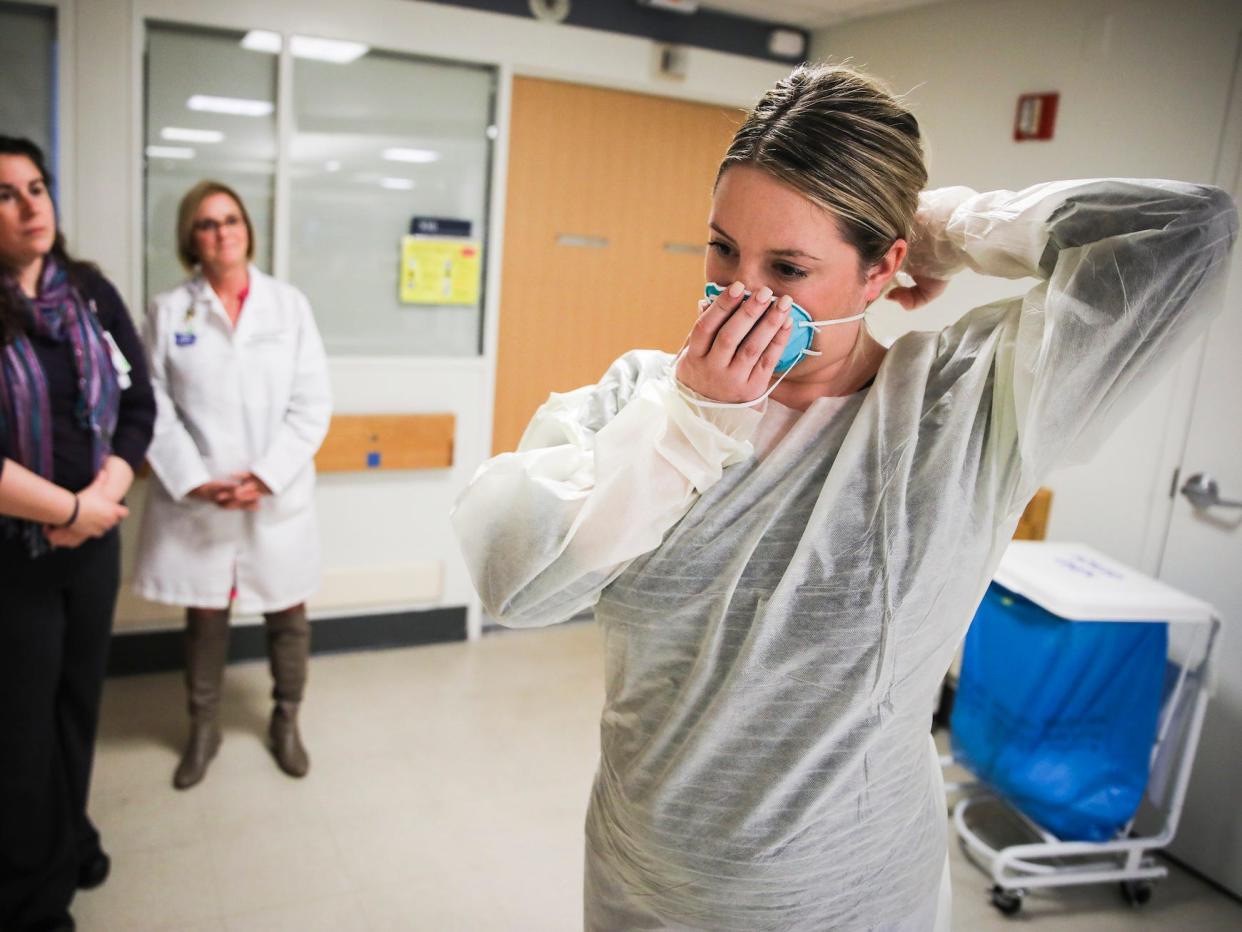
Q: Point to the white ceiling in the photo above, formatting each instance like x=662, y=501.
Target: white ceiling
x=811, y=14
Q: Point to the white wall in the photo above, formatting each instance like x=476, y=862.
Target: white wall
x=387, y=542
x=1144, y=86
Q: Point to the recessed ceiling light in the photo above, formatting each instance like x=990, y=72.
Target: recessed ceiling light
x=181, y=134
x=397, y=184
x=234, y=106
x=411, y=155
x=169, y=152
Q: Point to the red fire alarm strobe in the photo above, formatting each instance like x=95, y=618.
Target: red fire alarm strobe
x=1037, y=113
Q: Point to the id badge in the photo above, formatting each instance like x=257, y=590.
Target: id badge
x=119, y=363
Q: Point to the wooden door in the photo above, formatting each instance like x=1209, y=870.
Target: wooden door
x=605, y=230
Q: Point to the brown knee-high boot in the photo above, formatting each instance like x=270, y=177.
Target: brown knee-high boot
x=206, y=651
x=288, y=649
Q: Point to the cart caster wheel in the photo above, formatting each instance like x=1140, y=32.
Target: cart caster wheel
x=1007, y=901
x=1137, y=892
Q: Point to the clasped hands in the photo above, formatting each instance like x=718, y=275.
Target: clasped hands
x=240, y=492
x=99, y=507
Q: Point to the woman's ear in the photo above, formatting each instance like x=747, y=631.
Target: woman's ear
x=880, y=274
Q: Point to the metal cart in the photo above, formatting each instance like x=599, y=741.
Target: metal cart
x=1126, y=859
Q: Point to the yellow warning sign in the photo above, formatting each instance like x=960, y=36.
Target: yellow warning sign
x=440, y=271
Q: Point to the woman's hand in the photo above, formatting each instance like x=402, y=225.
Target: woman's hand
x=923, y=290
x=246, y=493
x=241, y=492
x=65, y=538
x=735, y=345
x=116, y=477
x=215, y=492
x=97, y=515
x=112, y=482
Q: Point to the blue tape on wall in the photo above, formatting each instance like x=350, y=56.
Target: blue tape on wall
x=707, y=29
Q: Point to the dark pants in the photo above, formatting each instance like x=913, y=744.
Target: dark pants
x=55, y=622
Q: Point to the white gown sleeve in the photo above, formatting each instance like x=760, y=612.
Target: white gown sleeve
x=600, y=475
x=1130, y=273
x=172, y=455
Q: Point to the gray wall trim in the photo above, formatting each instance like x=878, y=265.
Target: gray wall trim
x=162, y=651
x=707, y=29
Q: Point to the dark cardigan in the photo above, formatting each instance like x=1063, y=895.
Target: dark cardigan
x=71, y=443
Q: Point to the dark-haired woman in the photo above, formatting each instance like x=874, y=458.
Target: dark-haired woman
x=76, y=411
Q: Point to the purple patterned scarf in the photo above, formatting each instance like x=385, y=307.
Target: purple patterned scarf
x=60, y=314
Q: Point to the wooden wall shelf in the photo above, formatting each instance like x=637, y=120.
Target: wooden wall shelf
x=371, y=442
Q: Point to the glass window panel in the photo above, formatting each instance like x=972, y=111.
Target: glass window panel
x=28, y=75
x=197, y=81
x=353, y=197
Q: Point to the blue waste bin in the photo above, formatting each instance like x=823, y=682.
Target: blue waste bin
x=1059, y=717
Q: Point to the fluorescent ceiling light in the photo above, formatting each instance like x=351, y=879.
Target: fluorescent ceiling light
x=170, y=152
x=397, y=184
x=234, y=106
x=330, y=50
x=411, y=155
x=181, y=134
x=261, y=40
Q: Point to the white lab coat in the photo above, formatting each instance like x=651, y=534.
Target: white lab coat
x=251, y=399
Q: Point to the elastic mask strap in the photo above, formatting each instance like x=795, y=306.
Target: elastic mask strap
x=816, y=324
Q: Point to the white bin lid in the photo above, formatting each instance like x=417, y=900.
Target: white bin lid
x=1079, y=583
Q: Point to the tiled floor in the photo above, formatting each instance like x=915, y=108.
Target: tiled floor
x=447, y=792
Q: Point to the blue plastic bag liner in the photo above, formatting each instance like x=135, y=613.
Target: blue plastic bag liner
x=1059, y=717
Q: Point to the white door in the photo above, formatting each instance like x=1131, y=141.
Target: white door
x=1203, y=556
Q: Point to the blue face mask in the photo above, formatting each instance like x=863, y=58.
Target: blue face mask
x=804, y=327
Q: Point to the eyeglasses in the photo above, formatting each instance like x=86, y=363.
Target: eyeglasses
x=211, y=225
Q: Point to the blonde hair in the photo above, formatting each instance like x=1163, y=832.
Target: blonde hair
x=843, y=140
x=186, y=250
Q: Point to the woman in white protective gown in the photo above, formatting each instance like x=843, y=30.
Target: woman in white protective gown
x=782, y=580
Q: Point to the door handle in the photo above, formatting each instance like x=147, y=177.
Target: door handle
x=588, y=242
x=1204, y=492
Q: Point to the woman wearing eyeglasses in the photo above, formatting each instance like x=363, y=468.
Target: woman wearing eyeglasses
x=243, y=403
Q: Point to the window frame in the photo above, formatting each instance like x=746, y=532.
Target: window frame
x=282, y=202
x=63, y=144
